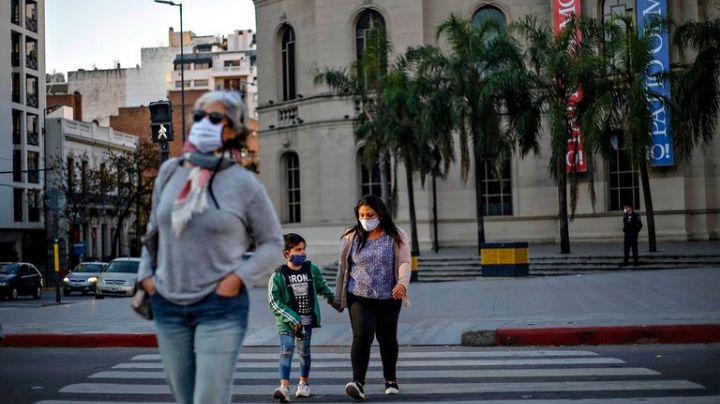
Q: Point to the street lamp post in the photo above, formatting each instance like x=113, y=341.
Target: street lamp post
x=182, y=66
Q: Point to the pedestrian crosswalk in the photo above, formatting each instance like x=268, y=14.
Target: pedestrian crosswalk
x=501, y=376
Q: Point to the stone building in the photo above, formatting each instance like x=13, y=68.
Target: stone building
x=311, y=163
x=22, y=151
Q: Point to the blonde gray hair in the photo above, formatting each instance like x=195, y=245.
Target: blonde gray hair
x=232, y=101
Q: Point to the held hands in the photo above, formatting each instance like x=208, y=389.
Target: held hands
x=399, y=291
x=229, y=286
x=337, y=306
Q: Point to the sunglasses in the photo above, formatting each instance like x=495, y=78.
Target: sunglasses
x=214, y=117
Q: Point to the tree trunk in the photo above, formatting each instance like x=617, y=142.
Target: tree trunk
x=434, y=213
x=414, y=246
x=384, y=180
x=116, y=237
x=479, y=200
x=649, y=211
x=562, y=208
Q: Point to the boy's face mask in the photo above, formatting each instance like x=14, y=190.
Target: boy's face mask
x=297, y=259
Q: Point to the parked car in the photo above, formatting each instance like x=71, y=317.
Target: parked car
x=20, y=278
x=83, y=278
x=119, y=278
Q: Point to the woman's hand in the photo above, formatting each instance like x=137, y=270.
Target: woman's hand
x=148, y=285
x=229, y=286
x=399, y=291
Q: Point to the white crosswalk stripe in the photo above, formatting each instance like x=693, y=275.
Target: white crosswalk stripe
x=440, y=374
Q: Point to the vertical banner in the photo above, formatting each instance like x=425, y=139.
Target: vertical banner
x=575, y=160
x=661, y=152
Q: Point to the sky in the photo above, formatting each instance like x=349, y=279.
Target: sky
x=82, y=34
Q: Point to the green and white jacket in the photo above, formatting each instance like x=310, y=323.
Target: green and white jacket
x=279, y=299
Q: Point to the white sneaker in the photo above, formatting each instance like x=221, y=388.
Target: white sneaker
x=303, y=390
x=355, y=390
x=282, y=393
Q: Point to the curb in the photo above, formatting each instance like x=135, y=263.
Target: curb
x=561, y=336
x=643, y=334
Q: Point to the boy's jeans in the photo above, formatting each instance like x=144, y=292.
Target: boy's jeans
x=199, y=345
x=287, y=345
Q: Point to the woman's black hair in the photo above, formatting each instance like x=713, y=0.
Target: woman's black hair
x=386, y=222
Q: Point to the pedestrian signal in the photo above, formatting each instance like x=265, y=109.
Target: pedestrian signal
x=161, y=121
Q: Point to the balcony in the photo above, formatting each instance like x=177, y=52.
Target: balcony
x=31, y=62
x=33, y=139
x=32, y=100
x=31, y=24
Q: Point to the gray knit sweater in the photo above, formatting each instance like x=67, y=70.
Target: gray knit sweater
x=213, y=243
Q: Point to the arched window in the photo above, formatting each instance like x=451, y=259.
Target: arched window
x=291, y=164
x=370, y=176
x=288, y=63
x=491, y=13
x=369, y=20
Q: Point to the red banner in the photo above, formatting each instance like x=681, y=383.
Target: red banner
x=563, y=10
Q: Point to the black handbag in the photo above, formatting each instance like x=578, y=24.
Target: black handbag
x=151, y=241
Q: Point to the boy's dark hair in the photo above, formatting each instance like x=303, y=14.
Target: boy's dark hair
x=291, y=240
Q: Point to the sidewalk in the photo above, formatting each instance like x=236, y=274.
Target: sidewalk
x=680, y=305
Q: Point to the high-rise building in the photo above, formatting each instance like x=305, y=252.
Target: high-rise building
x=22, y=150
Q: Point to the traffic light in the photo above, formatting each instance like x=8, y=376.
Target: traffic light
x=161, y=121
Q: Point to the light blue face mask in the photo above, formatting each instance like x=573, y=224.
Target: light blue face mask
x=206, y=136
x=370, y=224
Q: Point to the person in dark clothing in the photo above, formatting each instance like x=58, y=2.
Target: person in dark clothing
x=631, y=228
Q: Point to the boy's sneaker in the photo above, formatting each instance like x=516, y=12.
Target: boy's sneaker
x=303, y=390
x=355, y=390
x=391, y=388
x=282, y=393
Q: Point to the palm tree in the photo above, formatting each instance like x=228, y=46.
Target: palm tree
x=362, y=83
x=479, y=69
x=696, y=89
x=554, y=74
x=618, y=100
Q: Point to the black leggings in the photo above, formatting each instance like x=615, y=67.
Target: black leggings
x=372, y=318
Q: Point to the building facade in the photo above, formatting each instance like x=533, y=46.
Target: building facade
x=84, y=145
x=312, y=166
x=22, y=153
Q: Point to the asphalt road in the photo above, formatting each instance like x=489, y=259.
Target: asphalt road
x=608, y=374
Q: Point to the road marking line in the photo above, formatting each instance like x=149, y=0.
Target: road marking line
x=452, y=354
x=411, y=363
x=435, y=388
x=413, y=374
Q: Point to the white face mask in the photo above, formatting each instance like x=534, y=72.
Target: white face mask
x=370, y=224
x=206, y=136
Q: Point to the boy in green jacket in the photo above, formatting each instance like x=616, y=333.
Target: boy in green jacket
x=293, y=292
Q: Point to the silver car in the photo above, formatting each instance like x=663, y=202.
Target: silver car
x=83, y=278
x=119, y=278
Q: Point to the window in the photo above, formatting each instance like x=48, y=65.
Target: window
x=617, y=8
x=489, y=13
x=33, y=165
x=15, y=87
x=368, y=21
x=288, y=63
x=623, y=183
x=31, y=15
x=17, y=166
x=33, y=132
x=231, y=63
x=16, y=126
x=18, y=204
x=497, y=191
x=31, y=52
x=292, y=170
x=201, y=66
x=15, y=12
x=178, y=83
x=200, y=83
x=34, y=205
x=31, y=86
x=15, y=49
x=370, y=177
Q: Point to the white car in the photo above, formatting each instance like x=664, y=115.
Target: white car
x=119, y=278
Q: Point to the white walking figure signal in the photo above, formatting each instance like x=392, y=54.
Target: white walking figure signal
x=162, y=133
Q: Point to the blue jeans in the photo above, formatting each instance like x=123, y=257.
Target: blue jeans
x=287, y=346
x=199, y=345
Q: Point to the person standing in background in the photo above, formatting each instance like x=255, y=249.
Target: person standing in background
x=631, y=228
